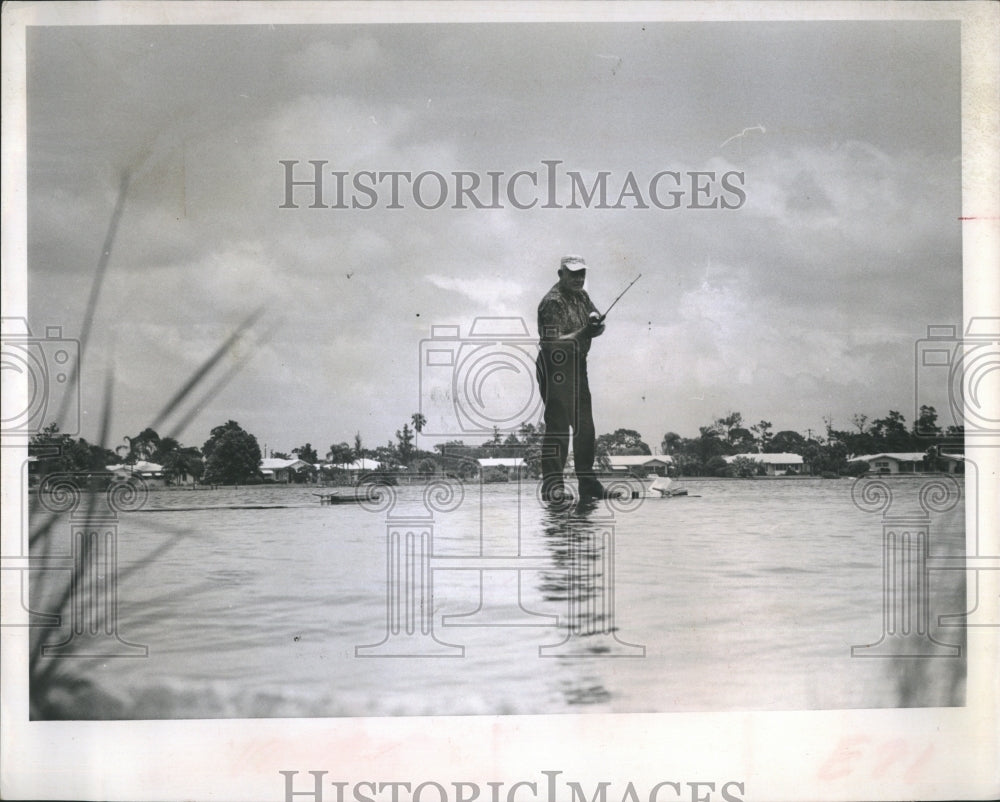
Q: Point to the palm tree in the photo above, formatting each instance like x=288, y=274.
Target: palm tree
x=126, y=452
x=140, y=447
x=181, y=463
x=340, y=454
x=419, y=421
x=671, y=443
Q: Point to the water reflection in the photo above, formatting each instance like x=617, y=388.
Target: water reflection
x=696, y=582
x=585, y=690
x=581, y=540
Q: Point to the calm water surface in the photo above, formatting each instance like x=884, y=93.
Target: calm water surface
x=745, y=595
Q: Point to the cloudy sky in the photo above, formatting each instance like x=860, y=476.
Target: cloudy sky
x=804, y=302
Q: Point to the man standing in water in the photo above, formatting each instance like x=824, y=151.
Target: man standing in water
x=567, y=322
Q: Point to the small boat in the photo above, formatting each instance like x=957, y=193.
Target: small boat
x=335, y=498
x=663, y=487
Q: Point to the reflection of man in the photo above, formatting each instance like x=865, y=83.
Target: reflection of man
x=567, y=322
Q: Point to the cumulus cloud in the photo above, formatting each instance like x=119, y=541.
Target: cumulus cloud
x=807, y=297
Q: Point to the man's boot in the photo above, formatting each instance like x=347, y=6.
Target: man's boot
x=553, y=488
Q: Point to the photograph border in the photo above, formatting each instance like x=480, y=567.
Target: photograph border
x=933, y=753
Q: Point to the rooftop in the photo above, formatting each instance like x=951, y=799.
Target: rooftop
x=625, y=460
x=780, y=458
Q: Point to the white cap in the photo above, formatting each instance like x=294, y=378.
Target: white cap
x=573, y=263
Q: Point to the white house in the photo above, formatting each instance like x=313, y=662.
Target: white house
x=955, y=461
x=281, y=470
x=359, y=465
x=143, y=468
x=780, y=464
x=639, y=463
x=501, y=462
x=907, y=462
x=354, y=469
x=629, y=464
x=490, y=467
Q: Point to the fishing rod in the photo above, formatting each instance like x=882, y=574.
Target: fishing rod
x=600, y=318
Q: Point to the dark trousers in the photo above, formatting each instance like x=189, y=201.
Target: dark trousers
x=565, y=390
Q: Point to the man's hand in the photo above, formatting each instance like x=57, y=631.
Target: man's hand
x=595, y=326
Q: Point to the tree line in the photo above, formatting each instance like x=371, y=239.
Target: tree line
x=231, y=455
x=831, y=452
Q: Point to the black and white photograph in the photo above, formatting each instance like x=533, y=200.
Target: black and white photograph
x=480, y=401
